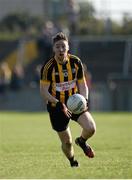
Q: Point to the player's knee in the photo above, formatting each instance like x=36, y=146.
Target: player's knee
x=91, y=129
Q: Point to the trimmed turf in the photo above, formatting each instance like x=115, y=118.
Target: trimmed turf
x=29, y=148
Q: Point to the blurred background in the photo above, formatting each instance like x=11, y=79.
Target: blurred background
x=100, y=33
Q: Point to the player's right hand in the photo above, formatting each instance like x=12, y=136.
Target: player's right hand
x=62, y=107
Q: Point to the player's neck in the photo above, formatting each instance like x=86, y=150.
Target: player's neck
x=61, y=60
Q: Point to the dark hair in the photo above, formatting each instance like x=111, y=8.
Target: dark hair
x=59, y=36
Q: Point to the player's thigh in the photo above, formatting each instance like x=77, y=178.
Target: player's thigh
x=65, y=136
x=86, y=121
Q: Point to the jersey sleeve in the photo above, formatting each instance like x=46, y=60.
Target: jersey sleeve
x=80, y=73
x=45, y=76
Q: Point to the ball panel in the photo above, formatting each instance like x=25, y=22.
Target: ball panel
x=76, y=103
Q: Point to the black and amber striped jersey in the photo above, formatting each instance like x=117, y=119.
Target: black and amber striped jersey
x=62, y=78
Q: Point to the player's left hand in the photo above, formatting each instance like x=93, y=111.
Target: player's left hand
x=87, y=103
x=62, y=107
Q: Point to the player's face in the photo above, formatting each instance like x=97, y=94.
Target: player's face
x=61, y=49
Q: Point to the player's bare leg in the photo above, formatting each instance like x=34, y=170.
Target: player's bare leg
x=67, y=147
x=88, y=129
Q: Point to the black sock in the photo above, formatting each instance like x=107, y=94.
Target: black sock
x=71, y=159
x=73, y=162
x=82, y=140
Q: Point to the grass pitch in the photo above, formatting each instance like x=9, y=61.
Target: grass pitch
x=30, y=149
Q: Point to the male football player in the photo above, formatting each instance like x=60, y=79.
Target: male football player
x=61, y=77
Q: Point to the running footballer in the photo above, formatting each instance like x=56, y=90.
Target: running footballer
x=61, y=77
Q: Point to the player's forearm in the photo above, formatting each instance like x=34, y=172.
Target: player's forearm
x=47, y=96
x=83, y=89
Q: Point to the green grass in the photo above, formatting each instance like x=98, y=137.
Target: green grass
x=29, y=148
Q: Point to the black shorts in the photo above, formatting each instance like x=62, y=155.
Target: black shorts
x=59, y=120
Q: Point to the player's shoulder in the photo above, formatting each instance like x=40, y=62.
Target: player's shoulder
x=47, y=64
x=74, y=57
